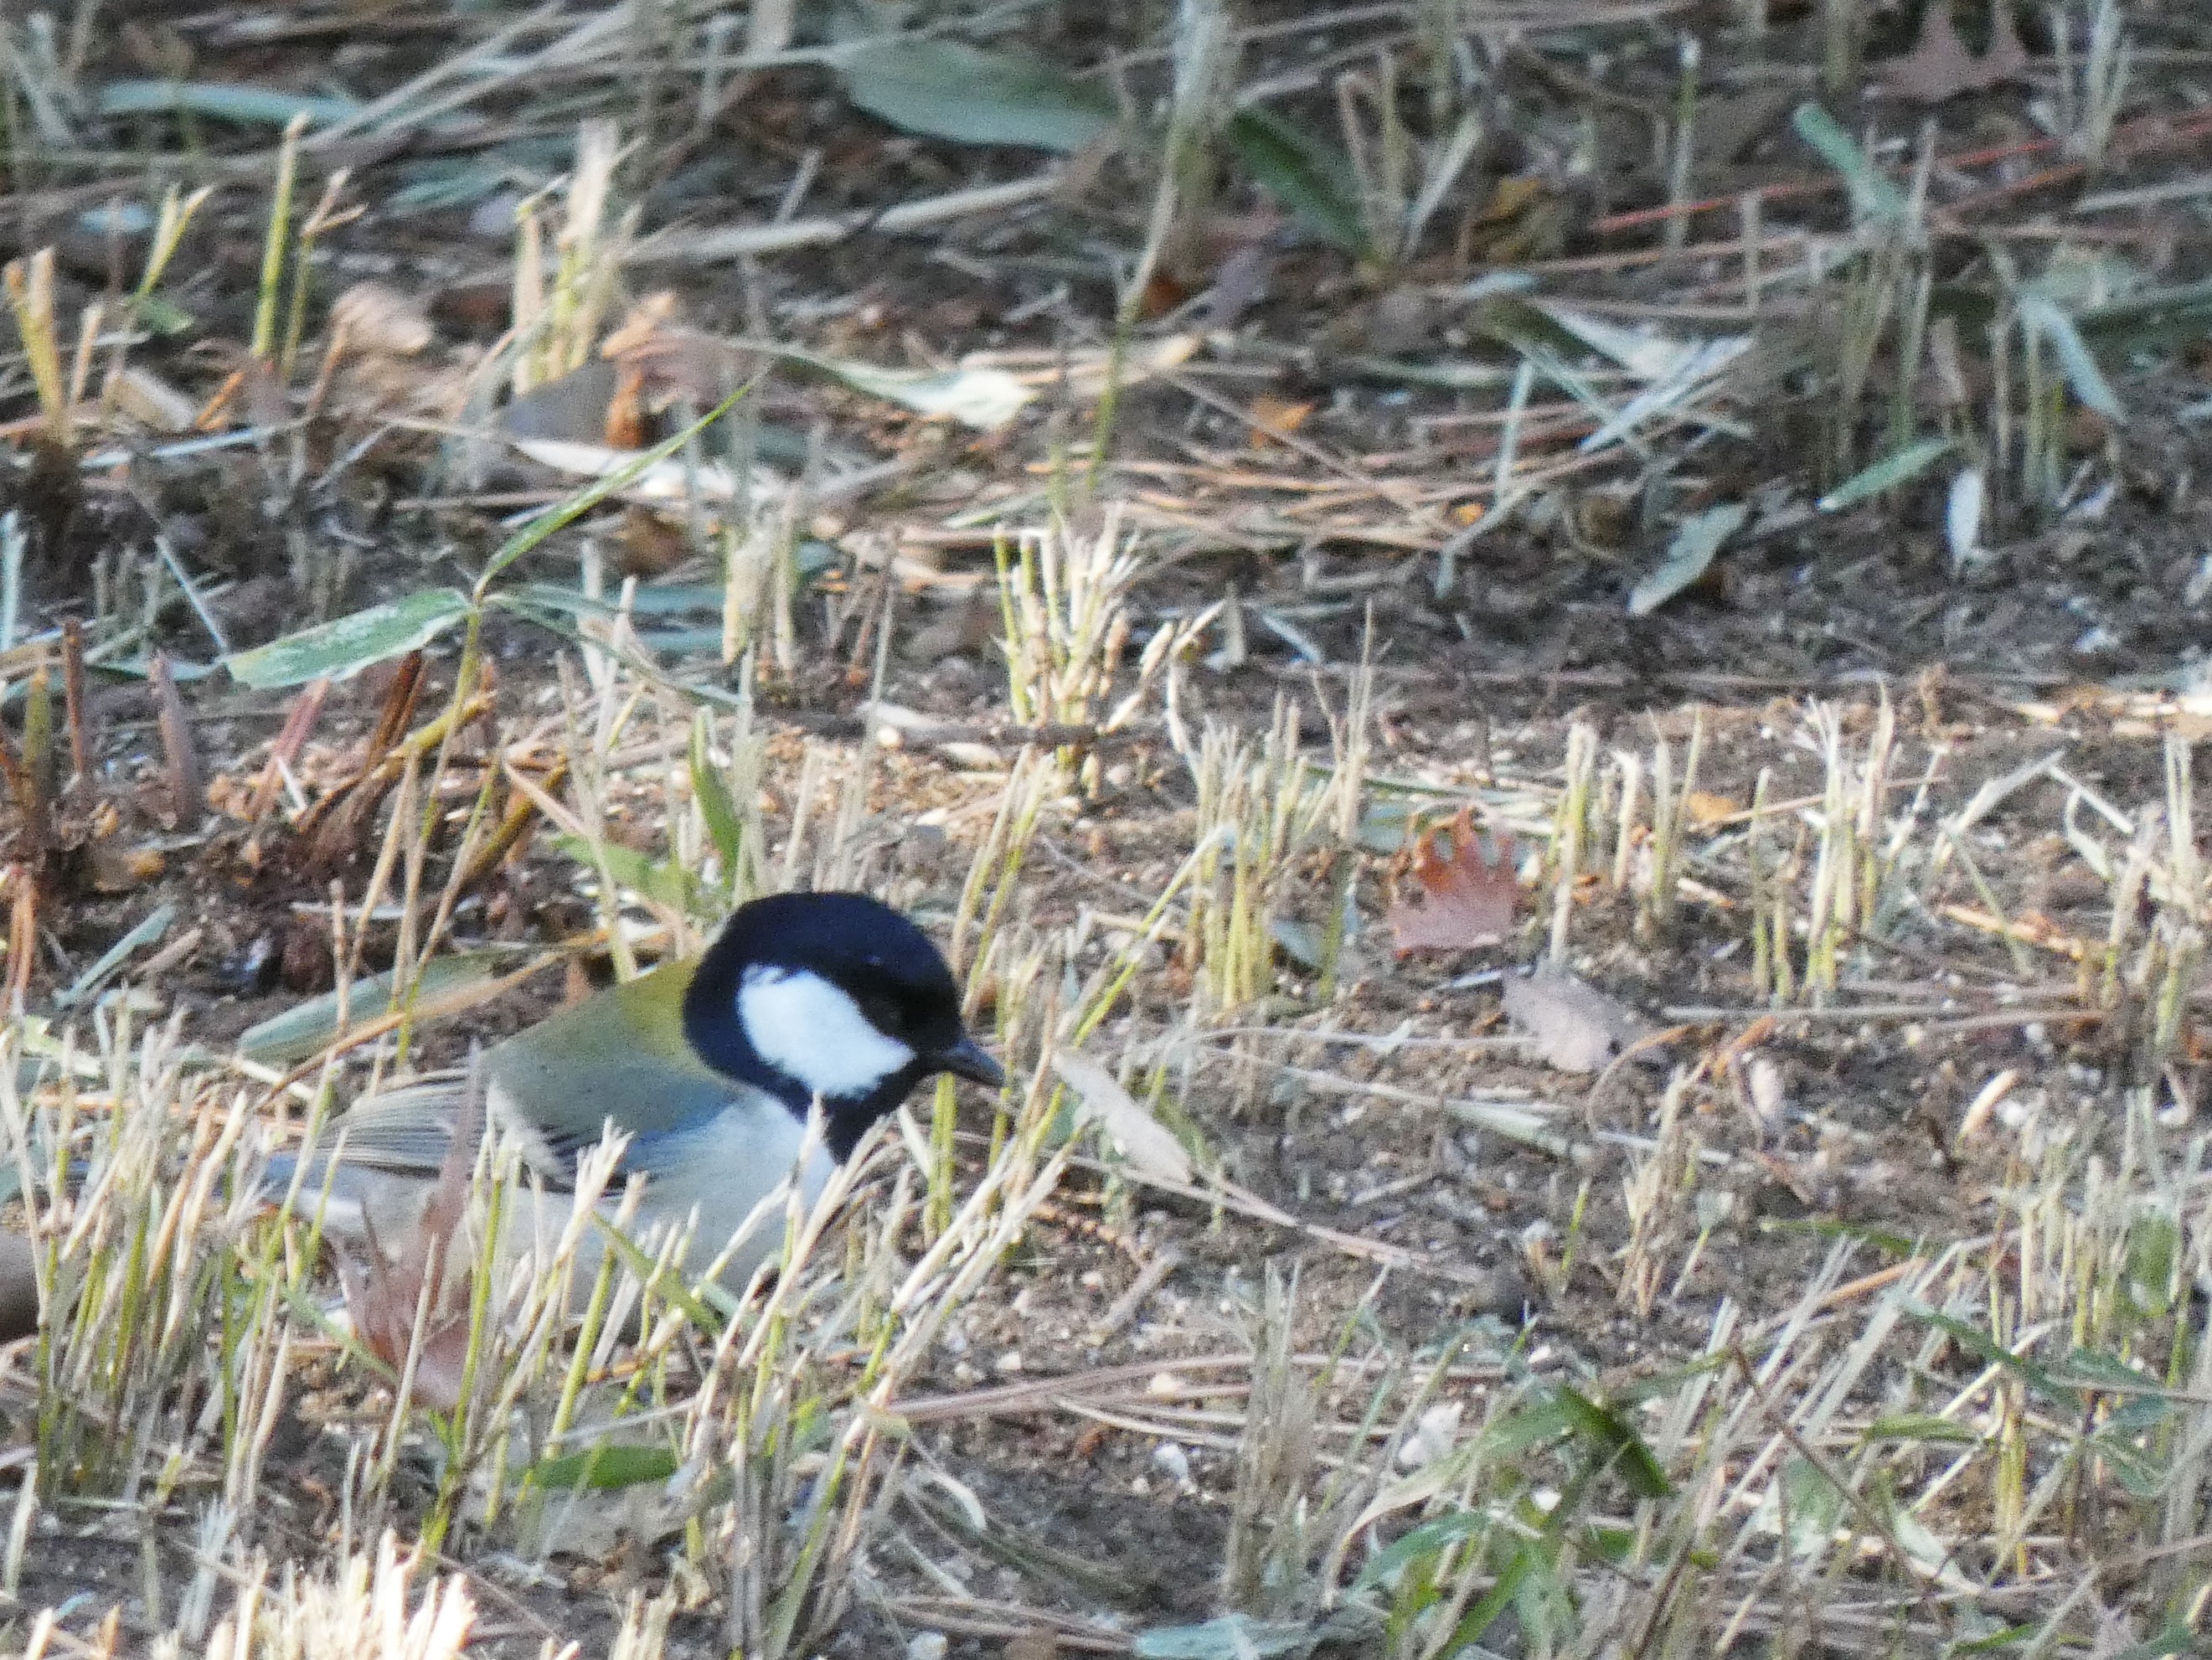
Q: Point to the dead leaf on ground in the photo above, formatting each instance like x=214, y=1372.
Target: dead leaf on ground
x=1272, y=417
x=1707, y=808
x=375, y=316
x=383, y=1293
x=153, y=402
x=1468, y=900
x=1939, y=67
x=1575, y=1026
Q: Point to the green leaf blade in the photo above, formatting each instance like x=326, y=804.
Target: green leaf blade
x=950, y=90
x=1872, y=194
x=1311, y=178
x=1898, y=467
x=343, y=646
x=2075, y=361
x=1688, y=555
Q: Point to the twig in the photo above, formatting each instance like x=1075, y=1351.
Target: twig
x=180, y=755
x=73, y=697
x=1038, y=1393
x=740, y=240
x=1124, y=1308
x=299, y=722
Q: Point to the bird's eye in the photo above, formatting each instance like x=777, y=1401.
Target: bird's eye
x=887, y=1015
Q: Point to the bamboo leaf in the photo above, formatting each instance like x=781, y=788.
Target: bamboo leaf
x=219, y=101
x=346, y=645
x=1898, y=467
x=726, y=826
x=1692, y=549
x=949, y=89
x=2074, y=359
x=1602, y=1429
x=1309, y=176
x=602, y=1468
x=1872, y=194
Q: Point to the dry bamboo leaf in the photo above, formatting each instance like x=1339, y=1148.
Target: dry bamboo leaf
x=374, y=316
x=1576, y=1027
x=1149, y=1146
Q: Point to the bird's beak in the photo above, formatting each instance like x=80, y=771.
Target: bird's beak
x=967, y=1059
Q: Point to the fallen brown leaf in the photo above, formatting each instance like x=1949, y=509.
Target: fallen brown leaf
x=1939, y=67
x=375, y=316
x=1272, y=417
x=1468, y=900
x=383, y=1294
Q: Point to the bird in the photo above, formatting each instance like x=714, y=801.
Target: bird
x=711, y=1066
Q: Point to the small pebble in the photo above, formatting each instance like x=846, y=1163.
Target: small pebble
x=1432, y=1437
x=1172, y=1461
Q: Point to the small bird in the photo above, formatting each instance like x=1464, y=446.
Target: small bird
x=710, y=1066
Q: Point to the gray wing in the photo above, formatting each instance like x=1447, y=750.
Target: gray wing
x=407, y=1130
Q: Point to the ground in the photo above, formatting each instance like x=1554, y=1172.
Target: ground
x=1848, y=1297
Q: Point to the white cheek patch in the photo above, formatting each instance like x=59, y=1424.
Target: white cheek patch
x=801, y=1024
